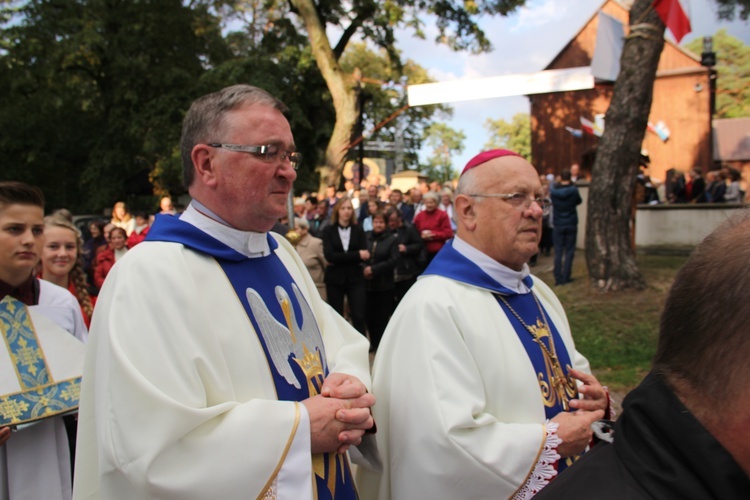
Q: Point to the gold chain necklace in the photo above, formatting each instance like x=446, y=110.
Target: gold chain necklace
x=563, y=388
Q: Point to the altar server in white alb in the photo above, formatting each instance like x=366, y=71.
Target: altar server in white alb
x=215, y=369
x=35, y=460
x=481, y=393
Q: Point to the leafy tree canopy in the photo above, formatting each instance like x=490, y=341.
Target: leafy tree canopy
x=515, y=135
x=384, y=85
x=444, y=141
x=92, y=93
x=733, y=69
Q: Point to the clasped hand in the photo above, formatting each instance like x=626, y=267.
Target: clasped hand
x=340, y=414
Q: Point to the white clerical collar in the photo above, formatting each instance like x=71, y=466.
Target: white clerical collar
x=504, y=275
x=248, y=243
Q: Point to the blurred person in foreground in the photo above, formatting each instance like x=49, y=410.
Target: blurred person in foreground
x=683, y=433
x=216, y=370
x=478, y=380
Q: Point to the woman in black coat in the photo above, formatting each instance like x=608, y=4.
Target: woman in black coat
x=345, y=249
x=383, y=247
x=411, y=253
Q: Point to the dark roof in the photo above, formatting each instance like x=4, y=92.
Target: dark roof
x=732, y=139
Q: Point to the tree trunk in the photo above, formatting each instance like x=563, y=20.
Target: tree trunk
x=610, y=257
x=344, y=89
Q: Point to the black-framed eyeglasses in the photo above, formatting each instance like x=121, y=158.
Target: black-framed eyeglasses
x=267, y=153
x=519, y=201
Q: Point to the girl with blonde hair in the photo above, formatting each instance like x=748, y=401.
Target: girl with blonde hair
x=62, y=261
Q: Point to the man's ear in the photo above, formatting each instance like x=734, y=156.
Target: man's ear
x=464, y=210
x=203, y=157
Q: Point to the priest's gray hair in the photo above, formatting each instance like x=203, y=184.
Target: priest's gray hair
x=205, y=120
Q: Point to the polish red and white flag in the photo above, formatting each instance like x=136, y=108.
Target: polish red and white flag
x=675, y=14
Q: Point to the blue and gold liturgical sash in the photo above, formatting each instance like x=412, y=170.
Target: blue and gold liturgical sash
x=40, y=396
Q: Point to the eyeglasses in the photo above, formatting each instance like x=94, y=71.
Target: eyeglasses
x=519, y=201
x=267, y=153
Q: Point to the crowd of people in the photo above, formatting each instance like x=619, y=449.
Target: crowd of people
x=717, y=186
x=364, y=249
x=228, y=354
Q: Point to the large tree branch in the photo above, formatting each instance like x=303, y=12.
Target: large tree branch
x=346, y=36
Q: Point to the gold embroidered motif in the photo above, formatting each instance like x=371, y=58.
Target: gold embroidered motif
x=72, y=392
x=11, y=409
x=27, y=356
x=312, y=366
x=304, y=343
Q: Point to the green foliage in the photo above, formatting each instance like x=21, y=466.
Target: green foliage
x=515, y=135
x=444, y=141
x=733, y=68
x=384, y=85
x=92, y=94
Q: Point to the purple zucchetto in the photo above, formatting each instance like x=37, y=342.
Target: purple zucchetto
x=486, y=156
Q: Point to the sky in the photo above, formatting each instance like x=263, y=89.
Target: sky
x=525, y=42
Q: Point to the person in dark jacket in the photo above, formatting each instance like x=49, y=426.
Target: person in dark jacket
x=683, y=430
x=716, y=186
x=410, y=249
x=695, y=187
x=565, y=198
x=345, y=249
x=378, y=271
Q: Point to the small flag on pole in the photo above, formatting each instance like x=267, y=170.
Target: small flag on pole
x=675, y=15
x=594, y=128
x=660, y=129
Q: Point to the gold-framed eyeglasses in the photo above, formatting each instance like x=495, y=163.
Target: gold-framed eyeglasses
x=519, y=201
x=267, y=153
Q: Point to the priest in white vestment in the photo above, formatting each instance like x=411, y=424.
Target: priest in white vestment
x=215, y=370
x=481, y=392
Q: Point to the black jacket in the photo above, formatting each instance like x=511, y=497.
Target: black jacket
x=660, y=452
x=344, y=267
x=383, y=249
x=409, y=263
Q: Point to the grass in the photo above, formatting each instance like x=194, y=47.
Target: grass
x=616, y=331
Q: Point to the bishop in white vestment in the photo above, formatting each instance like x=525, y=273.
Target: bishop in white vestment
x=477, y=376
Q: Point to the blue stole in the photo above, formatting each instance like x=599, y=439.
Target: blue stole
x=286, y=328
x=556, y=388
